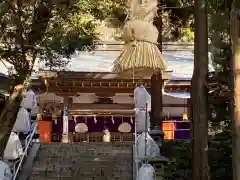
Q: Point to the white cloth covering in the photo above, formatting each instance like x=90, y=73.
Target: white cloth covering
x=14, y=148
x=146, y=172
x=140, y=119
x=30, y=100
x=148, y=144
x=5, y=171
x=35, y=111
x=22, y=123
x=141, y=97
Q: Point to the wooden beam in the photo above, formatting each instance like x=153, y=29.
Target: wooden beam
x=110, y=106
x=105, y=90
x=105, y=94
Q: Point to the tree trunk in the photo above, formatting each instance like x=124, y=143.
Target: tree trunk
x=199, y=94
x=11, y=107
x=40, y=21
x=8, y=117
x=236, y=127
x=235, y=38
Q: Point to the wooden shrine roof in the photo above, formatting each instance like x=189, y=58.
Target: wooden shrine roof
x=91, y=75
x=97, y=82
x=180, y=62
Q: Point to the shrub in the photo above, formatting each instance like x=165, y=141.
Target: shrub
x=179, y=155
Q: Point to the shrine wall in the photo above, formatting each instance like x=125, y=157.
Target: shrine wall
x=121, y=100
x=173, y=111
x=173, y=100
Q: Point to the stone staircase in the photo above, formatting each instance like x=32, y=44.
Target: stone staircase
x=83, y=161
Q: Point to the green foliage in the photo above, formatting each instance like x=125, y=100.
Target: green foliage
x=52, y=29
x=179, y=155
x=179, y=20
x=218, y=11
x=218, y=16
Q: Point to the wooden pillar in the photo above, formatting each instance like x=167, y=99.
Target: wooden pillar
x=156, y=100
x=70, y=134
x=157, y=81
x=65, y=120
x=189, y=110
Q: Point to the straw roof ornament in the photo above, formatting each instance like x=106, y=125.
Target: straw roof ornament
x=140, y=56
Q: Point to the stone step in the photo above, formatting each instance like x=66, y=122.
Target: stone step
x=75, y=149
x=77, y=176
x=80, y=178
x=93, y=145
x=84, y=161
x=86, y=156
x=67, y=171
x=90, y=165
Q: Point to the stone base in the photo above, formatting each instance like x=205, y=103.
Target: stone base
x=157, y=134
x=158, y=164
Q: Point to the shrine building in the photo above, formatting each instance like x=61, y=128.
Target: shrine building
x=99, y=100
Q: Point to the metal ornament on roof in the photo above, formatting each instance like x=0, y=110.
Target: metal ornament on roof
x=140, y=56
